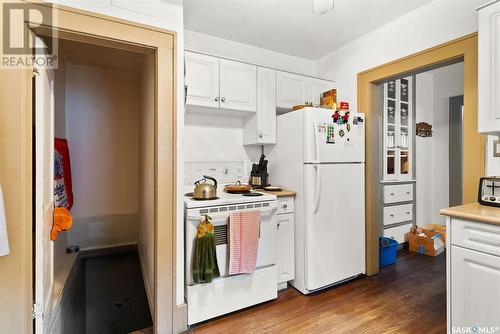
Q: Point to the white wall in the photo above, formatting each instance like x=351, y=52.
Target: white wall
x=492, y=163
x=448, y=82
x=219, y=138
x=424, y=106
x=146, y=242
x=101, y=108
x=435, y=23
x=195, y=41
x=434, y=88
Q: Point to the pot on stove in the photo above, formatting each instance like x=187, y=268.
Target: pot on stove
x=204, y=190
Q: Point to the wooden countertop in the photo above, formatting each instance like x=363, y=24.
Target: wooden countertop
x=475, y=212
x=281, y=193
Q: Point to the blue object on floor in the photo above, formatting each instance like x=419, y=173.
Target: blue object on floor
x=388, y=251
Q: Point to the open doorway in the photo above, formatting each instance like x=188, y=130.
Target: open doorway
x=369, y=101
x=421, y=149
x=96, y=109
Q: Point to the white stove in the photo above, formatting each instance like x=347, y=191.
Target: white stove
x=226, y=199
x=228, y=293
x=225, y=173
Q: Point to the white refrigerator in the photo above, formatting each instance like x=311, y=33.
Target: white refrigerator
x=322, y=159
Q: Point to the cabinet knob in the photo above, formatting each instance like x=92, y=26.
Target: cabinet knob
x=216, y=99
x=278, y=225
x=284, y=206
x=392, y=194
x=223, y=99
x=261, y=135
x=407, y=193
x=392, y=215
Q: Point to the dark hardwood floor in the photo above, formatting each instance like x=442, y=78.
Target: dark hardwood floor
x=407, y=297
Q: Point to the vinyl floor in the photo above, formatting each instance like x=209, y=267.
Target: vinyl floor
x=116, y=301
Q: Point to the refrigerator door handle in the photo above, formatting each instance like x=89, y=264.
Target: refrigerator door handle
x=316, y=139
x=317, y=195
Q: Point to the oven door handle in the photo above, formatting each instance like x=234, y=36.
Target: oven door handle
x=226, y=215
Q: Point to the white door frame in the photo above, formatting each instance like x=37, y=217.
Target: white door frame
x=44, y=194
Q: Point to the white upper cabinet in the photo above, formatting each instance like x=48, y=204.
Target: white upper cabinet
x=316, y=87
x=294, y=89
x=238, y=85
x=489, y=69
x=260, y=128
x=220, y=84
x=227, y=87
x=291, y=89
x=202, y=80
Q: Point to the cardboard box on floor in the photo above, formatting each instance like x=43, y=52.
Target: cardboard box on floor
x=429, y=243
x=436, y=228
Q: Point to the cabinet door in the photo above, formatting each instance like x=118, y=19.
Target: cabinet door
x=286, y=265
x=202, y=80
x=238, y=85
x=266, y=106
x=389, y=131
x=405, y=125
x=475, y=288
x=291, y=90
x=489, y=69
x=316, y=87
x=397, y=129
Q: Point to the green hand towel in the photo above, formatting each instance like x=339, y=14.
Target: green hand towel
x=204, y=262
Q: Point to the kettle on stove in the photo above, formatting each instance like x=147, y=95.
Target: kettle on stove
x=204, y=190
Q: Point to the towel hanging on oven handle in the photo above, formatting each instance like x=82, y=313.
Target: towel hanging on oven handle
x=226, y=215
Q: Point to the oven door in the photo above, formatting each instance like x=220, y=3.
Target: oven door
x=266, y=253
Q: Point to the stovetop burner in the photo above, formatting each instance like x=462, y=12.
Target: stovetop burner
x=253, y=194
x=205, y=199
x=191, y=194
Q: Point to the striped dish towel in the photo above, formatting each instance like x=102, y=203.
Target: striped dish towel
x=243, y=241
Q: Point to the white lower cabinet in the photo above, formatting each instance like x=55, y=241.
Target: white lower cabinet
x=473, y=277
x=286, y=245
x=475, y=289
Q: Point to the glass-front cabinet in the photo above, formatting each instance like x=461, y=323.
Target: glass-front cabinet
x=397, y=129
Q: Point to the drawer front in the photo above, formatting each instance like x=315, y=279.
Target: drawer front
x=398, y=233
x=398, y=193
x=481, y=237
x=398, y=214
x=285, y=205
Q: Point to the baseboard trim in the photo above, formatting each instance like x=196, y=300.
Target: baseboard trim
x=146, y=284
x=180, y=324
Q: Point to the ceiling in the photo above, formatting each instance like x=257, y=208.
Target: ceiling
x=289, y=26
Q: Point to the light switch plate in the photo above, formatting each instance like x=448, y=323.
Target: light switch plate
x=496, y=148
